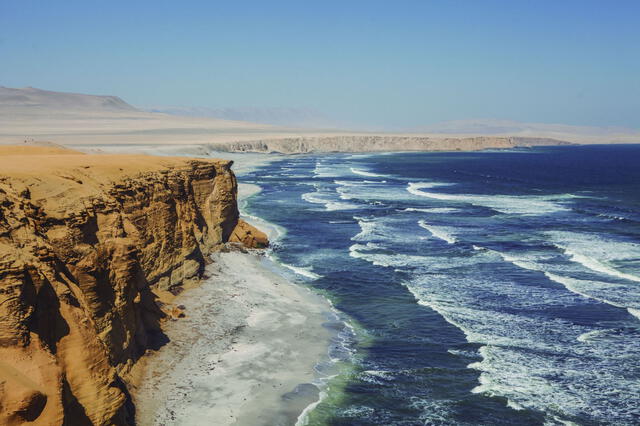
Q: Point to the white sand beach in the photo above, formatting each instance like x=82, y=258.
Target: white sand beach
x=245, y=353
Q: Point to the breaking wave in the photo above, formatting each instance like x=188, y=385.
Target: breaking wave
x=596, y=253
x=440, y=232
x=507, y=204
x=365, y=173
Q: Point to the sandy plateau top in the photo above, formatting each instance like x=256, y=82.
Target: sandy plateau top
x=93, y=248
x=60, y=178
x=69, y=118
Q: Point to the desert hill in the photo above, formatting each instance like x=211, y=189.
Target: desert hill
x=75, y=119
x=30, y=98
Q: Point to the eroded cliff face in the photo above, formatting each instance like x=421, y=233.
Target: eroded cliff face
x=91, y=250
x=363, y=143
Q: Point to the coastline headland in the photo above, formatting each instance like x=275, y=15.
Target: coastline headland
x=94, y=250
x=378, y=143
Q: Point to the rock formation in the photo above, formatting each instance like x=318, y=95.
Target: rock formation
x=248, y=236
x=362, y=143
x=92, y=250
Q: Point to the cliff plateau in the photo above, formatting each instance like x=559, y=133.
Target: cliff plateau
x=375, y=143
x=92, y=250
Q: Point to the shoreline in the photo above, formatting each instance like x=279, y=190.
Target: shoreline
x=249, y=349
x=245, y=354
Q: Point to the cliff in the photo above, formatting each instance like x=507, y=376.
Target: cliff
x=92, y=250
x=361, y=143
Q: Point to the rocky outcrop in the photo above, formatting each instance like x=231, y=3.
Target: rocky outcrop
x=92, y=250
x=248, y=236
x=362, y=143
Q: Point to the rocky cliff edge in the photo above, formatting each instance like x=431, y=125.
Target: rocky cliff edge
x=92, y=250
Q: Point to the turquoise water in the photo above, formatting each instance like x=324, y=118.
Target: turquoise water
x=497, y=288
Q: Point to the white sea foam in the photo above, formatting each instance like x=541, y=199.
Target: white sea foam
x=357, y=251
x=596, y=290
x=378, y=254
x=635, y=312
x=612, y=294
x=591, y=335
x=520, y=352
x=273, y=231
x=598, y=266
x=434, y=411
x=347, y=182
x=613, y=216
x=344, y=194
x=303, y=418
x=521, y=262
x=441, y=232
x=305, y=272
x=368, y=228
x=329, y=204
x=415, y=187
x=370, y=253
x=357, y=182
x=370, y=191
x=596, y=252
x=341, y=350
x=432, y=210
x=322, y=170
x=507, y=204
x=514, y=405
x=313, y=197
x=523, y=347
x=555, y=421
x=365, y=173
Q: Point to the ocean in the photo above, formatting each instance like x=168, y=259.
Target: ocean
x=479, y=288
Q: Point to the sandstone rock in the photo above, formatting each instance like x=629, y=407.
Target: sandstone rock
x=88, y=246
x=249, y=236
x=374, y=143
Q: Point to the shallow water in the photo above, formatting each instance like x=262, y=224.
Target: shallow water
x=484, y=288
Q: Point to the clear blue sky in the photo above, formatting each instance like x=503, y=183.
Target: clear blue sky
x=388, y=63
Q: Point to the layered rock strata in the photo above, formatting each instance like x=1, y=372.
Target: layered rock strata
x=92, y=250
x=360, y=143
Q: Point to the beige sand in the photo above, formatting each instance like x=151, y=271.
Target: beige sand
x=244, y=355
x=59, y=178
x=33, y=114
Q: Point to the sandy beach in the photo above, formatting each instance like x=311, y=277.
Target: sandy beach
x=247, y=350
x=245, y=353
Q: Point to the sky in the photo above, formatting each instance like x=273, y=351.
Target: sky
x=387, y=64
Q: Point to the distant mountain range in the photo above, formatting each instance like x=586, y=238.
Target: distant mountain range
x=32, y=112
x=303, y=118
x=32, y=98
x=499, y=127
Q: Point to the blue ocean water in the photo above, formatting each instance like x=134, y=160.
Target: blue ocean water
x=493, y=288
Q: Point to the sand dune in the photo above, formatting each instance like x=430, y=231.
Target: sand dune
x=31, y=114
x=39, y=115
x=30, y=98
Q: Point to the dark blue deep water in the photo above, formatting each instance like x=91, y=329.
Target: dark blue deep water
x=493, y=288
